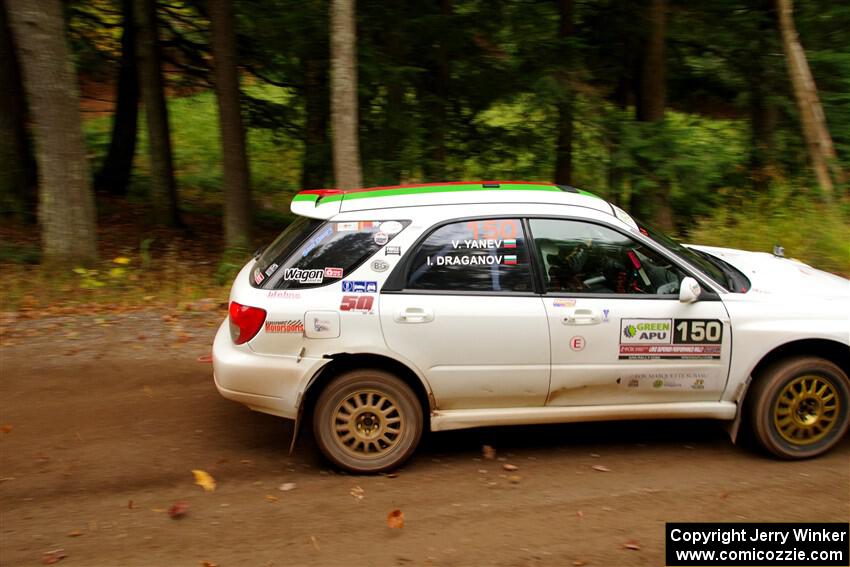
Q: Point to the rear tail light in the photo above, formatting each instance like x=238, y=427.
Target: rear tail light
x=245, y=322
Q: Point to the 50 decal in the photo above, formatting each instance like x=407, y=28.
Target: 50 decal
x=697, y=331
x=357, y=303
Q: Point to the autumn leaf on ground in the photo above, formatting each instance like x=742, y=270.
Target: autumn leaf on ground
x=178, y=509
x=286, y=486
x=54, y=556
x=632, y=544
x=600, y=468
x=271, y=498
x=75, y=533
x=395, y=519
x=7, y=428
x=510, y=468
x=203, y=479
x=357, y=493
x=488, y=452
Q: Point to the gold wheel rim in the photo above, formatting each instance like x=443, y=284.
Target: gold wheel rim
x=806, y=410
x=367, y=424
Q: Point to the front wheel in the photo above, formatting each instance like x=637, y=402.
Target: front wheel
x=367, y=421
x=800, y=407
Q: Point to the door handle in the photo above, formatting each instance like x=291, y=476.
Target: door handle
x=414, y=315
x=582, y=317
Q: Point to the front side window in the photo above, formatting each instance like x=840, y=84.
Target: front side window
x=328, y=254
x=475, y=255
x=582, y=257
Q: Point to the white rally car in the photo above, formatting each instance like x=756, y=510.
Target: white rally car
x=382, y=312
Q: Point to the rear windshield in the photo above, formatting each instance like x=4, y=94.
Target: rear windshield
x=312, y=253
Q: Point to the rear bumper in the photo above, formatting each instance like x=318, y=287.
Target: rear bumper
x=269, y=384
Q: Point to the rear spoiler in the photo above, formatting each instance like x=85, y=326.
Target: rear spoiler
x=317, y=203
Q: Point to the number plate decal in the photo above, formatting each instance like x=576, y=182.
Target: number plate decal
x=643, y=339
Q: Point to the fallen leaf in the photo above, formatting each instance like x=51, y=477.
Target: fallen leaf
x=75, y=533
x=208, y=564
x=579, y=563
x=54, y=556
x=391, y=475
x=514, y=479
x=724, y=495
x=286, y=486
x=632, y=544
x=315, y=543
x=595, y=455
x=271, y=498
x=178, y=509
x=358, y=493
x=601, y=468
x=203, y=479
x=488, y=452
x=395, y=519
x=131, y=504
x=7, y=428
x=580, y=515
x=510, y=468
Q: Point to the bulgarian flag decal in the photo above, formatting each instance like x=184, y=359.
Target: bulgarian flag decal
x=510, y=243
x=510, y=260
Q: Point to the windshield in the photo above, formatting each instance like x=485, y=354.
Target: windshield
x=707, y=267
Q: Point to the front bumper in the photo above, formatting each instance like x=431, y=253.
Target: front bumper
x=269, y=384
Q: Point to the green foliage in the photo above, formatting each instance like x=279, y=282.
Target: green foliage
x=14, y=253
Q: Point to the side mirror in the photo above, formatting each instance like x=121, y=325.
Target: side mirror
x=689, y=290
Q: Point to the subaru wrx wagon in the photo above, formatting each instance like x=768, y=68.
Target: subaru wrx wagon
x=382, y=313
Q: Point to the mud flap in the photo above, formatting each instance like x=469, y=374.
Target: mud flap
x=295, y=427
x=733, y=427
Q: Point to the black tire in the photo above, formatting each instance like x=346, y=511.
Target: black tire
x=367, y=421
x=799, y=407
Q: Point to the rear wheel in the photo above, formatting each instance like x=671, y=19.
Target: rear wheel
x=800, y=407
x=367, y=421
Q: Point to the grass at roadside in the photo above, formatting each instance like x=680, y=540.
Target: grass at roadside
x=811, y=232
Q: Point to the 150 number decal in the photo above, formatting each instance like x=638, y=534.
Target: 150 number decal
x=493, y=229
x=356, y=303
x=697, y=331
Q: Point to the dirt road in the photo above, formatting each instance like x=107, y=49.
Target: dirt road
x=104, y=419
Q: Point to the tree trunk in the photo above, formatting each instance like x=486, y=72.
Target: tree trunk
x=314, y=172
x=812, y=119
x=17, y=165
x=394, y=116
x=237, y=185
x=344, y=108
x=66, y=199
x=564, y=147
x=652, y=98
x=114, y=174
x=439, y=77
x=163, y=186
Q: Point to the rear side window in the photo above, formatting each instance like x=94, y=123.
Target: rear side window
x=325, y=255
x=475, y=255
